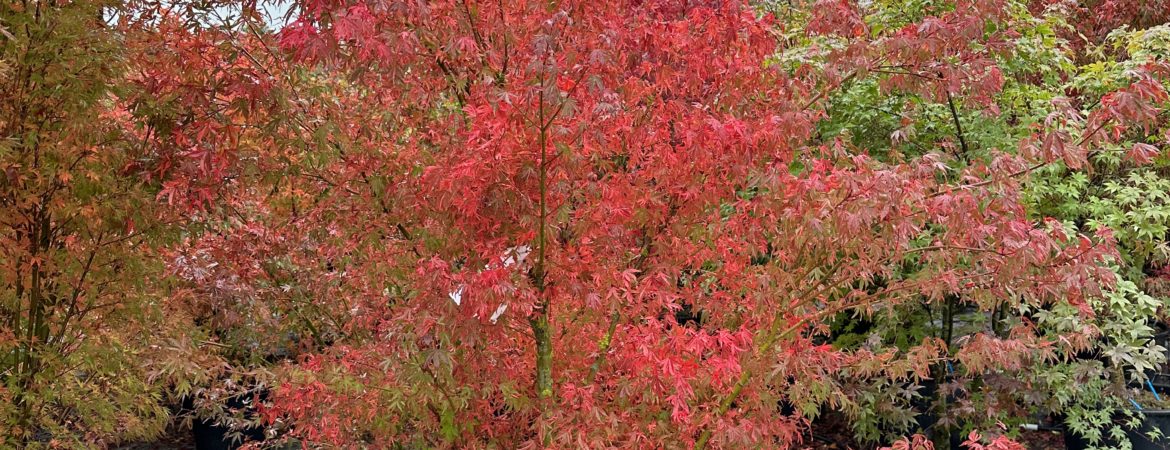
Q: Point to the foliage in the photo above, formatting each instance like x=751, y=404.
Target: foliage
x=611, y=223
x=636, y=189
x=1123, y=192
x=75, y=224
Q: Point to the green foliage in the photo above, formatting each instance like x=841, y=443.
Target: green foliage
x=1132, y=201
x=1089, y=395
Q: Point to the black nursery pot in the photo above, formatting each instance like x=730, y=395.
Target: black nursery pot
x=1073, y=441
x=927, y=419
x=211, y=436
x=1154, y=420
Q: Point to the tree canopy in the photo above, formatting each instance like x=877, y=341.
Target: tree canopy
x=594, y=224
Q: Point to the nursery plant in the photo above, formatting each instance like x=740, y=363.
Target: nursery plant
x=571, y=177
x=597, y=224
x=78, y=320
x=1041, y=71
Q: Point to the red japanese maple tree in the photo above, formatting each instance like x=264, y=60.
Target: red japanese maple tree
x=606, y=224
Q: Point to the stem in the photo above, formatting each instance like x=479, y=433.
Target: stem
x=539, y=322
x=35, y=328
x=540, y=333
x=603, y=347
x=958, y=127
x=1026, y=170
x=948, y=321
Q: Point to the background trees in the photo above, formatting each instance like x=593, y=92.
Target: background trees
x=75, y=272
x=1121, y=191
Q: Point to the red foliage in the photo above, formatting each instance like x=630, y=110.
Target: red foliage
x=916, y=442
x=974, y=442
x=505, y=209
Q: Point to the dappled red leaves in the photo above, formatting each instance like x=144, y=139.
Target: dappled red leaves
x=404, y=200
